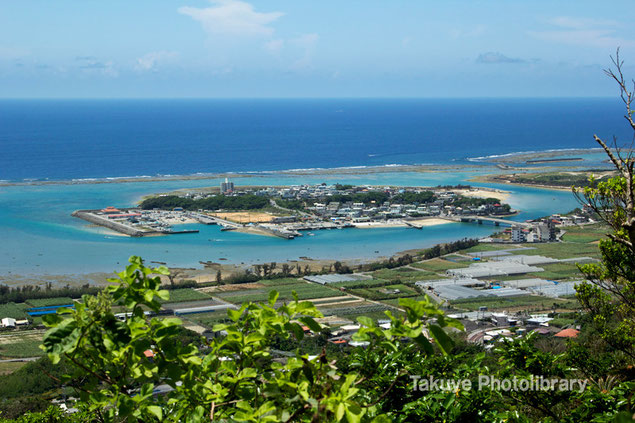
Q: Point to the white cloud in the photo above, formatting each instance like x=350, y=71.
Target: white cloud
x=307, y=43
x=274, y=46
x=150, y=61
x=583, y=31
x=232, y=17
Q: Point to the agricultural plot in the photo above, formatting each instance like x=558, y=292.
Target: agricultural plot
x=360, y=284
x=482, y=247
x=280, y=282
x=558, y=271
x=404, y=274
x=385, y=292
x=562, y=250
x=304, y=290
x=438, y=265
x=186, y=294
x=13, y=310
x=22, y=345
x=48, y=302
x=585, y=234
x=208, y=319
x=532, y=303
x=10, y=367
x=374, y=311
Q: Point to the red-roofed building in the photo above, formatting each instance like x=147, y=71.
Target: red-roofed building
x=110, y=209
x=568, y=333
x=148, y=353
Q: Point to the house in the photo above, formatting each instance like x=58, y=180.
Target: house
x=568, y=333
x=8, y=322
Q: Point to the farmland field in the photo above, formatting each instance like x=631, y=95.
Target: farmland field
x=13, y=310
x=305, y=291
x=405, y=274
x=186, y=294
x=25, y=344
x=524, y=302
x=47, y=302
x=438, y=265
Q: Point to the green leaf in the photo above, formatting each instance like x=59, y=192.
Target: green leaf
x=312, y=324
x=442, y=339
x=366, y=321
x=273, y=297
x=156, y=411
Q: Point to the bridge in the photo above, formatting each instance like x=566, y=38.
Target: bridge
x=495, y=220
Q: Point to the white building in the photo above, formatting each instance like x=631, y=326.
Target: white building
x=226, y=186
x=8, y=322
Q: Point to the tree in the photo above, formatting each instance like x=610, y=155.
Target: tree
x=609, y=294
x=237, y=379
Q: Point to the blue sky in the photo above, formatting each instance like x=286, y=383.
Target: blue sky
x=301, y=48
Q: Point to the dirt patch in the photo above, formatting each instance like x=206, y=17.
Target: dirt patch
x=245, y=217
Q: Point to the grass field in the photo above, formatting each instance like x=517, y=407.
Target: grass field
x=13, y=310
x=186, y=294
x=46, y=302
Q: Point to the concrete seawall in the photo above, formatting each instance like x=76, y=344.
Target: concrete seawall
x=89, y=216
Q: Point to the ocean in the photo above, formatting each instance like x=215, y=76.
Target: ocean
x=84, y=139
x=108, y=139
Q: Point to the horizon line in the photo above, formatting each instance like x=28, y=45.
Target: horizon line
x=318, y=98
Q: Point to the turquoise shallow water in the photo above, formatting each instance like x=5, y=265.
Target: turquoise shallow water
x=40, y=237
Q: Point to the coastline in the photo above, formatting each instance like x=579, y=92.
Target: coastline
x=487, y=179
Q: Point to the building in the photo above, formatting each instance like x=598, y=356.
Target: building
x=226, y=186
x=518, y=235
x=8, y=322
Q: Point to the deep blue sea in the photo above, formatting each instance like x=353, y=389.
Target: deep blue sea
x=65, y=140
x=76, y=139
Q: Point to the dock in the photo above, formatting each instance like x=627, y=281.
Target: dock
x=90, y=216
x=413, y=225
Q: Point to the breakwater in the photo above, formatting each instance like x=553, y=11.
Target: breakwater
x=89, y=216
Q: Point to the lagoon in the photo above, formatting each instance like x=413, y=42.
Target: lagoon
x=39, y=237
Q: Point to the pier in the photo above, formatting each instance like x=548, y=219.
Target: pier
x=90, y=216
x=213, y=220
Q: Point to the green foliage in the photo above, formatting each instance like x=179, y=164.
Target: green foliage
x=22, y=294
x=238, y=378
x=13, y=310
x=48, y=414
x=414, y=197
x=239, y=202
